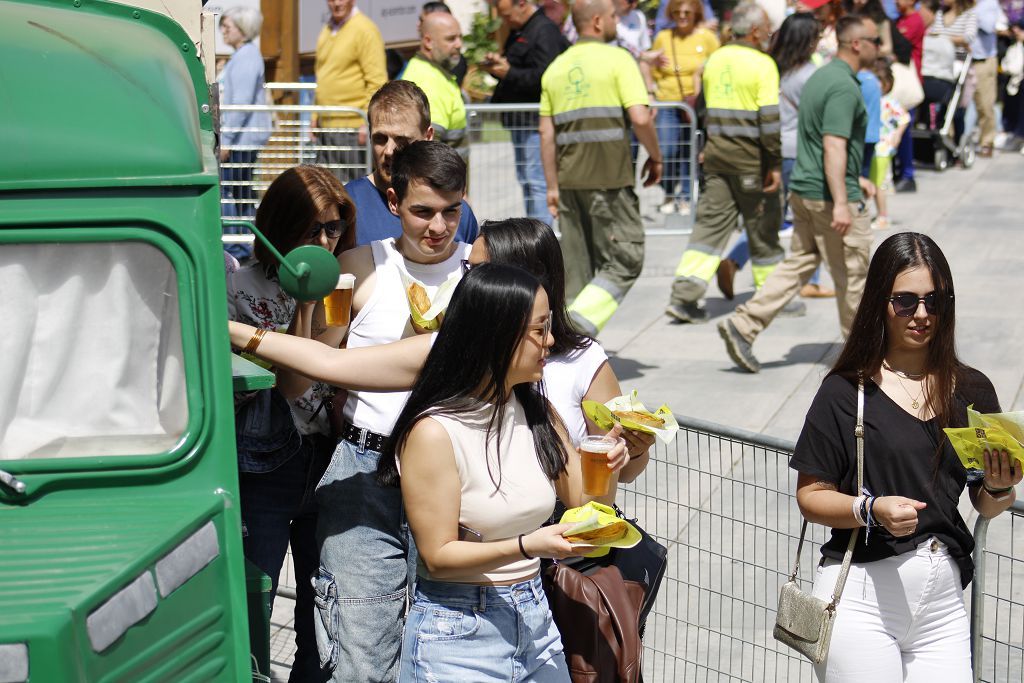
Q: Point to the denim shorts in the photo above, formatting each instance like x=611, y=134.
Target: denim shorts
x=465, y=632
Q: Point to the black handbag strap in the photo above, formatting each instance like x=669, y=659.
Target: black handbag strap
x=858, y=432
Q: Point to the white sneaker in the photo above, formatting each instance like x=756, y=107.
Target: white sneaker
x=667, y=207
x=683, y=207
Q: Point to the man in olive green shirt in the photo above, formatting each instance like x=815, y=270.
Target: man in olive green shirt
x=827, y=195
x=591, y=95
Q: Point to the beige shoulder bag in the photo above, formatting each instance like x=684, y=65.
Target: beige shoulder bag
x=804, y=622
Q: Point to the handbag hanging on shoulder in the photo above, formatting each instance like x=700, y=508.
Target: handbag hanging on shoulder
x=805, y=622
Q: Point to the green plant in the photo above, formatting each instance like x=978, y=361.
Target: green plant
x=480, y=39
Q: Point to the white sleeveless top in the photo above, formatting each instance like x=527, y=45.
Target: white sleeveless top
x=567, y=379
x=384, y=319
x=522, y=503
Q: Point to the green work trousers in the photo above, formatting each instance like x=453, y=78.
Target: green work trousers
x=603, y=249
x=724, y=199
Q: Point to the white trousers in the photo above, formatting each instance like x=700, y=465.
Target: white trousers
x=901, y=619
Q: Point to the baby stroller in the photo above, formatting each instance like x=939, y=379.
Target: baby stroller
x=934, y=132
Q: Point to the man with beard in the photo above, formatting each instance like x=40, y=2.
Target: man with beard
x=590, y=95
x=431, y=69
x=399, y=115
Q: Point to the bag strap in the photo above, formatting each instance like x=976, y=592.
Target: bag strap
x=858, y=432
x=676, y=68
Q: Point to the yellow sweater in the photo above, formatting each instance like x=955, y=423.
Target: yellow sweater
x=350, y=67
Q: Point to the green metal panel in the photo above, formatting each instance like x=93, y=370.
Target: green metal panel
x=97, y=93
x=105, y=134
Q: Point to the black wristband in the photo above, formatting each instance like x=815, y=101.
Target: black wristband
x=995, y=491
x=522, y=549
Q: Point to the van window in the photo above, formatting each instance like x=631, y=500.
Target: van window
x=91, y=357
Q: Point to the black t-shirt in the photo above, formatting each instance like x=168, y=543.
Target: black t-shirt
x=899, y=460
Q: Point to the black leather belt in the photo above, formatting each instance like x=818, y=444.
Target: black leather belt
x=364, y=438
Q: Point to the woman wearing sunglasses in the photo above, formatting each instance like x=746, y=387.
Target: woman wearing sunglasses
x=284, y=446
x=902, y=614
x=482, y=456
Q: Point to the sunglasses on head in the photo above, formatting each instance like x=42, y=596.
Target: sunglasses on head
x=467, y=266
x=905, y=305
x=333, y=230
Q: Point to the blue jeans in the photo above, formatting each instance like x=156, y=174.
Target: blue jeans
x=277, y=508
x=530, y=173
x=674, y=139
x=361, y=586
x=905, y=151
x=465, y=632
x=740, y=252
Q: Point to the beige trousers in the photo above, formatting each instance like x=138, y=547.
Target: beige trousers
x=813, y=240
x=985, y=75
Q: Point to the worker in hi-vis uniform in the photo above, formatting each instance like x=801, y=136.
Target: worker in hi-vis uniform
x=590, y=94
x=742, y=164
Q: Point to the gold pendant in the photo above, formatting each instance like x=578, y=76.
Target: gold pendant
x=915, y=405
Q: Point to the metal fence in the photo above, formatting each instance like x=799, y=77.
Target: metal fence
x=997, y=597
x=499, y=179
x=722, y=501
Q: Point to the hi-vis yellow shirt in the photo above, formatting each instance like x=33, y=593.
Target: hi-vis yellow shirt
x=741, y=90
x=586, y=91
x=447, y=108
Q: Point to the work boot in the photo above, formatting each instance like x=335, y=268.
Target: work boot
x=739, y=349
x=726, y=274
x=687, y=312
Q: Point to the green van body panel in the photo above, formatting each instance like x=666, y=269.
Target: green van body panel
x=105, y=135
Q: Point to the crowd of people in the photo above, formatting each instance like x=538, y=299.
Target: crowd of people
x=413, y=469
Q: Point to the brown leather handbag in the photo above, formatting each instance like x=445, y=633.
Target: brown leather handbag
x=598, y=616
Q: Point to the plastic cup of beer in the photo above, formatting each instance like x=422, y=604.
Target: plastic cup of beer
x=338, y=304
x=594, y=463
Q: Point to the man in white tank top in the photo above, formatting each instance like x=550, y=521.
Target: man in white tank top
x=364, y=543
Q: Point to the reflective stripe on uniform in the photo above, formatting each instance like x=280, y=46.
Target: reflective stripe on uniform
x=587, y=113
x=734, y=131
x=698, y=264
x=761, y=272
x=600, y=135
x=595, y=305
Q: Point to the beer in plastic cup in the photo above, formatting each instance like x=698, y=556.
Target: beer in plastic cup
x=338, y=304
x=594, y=463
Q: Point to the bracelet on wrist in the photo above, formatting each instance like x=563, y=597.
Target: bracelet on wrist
x=254, y=341
x=989, y=489
x=522, y=548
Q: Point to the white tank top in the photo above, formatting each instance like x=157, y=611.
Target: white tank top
x=567, y=379
x=525, y=498
x=384, y=319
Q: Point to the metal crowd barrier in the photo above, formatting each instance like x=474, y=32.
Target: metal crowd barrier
x=494, y=168
x=997, y=597
x=722, y=501
x=293, y=140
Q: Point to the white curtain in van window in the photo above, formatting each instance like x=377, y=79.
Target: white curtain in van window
x=91, y=356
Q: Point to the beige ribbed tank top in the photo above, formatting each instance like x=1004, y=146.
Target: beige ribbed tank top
x=526, y=496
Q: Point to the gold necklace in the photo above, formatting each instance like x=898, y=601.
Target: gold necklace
x=915, y=403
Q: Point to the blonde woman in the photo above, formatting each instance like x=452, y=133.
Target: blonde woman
x=684, y=49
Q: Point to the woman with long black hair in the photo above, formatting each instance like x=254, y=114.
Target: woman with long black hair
x=482, y=456
x=902, y=614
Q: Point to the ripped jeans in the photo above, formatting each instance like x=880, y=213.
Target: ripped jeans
x=361, y=585
x=483, y=634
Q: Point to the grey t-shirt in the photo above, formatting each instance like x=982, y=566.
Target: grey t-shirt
x=789, y=101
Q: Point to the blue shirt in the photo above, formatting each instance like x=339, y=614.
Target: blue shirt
x=871, y=91
x=984, y=44
x=374, y=220
x=242, y=83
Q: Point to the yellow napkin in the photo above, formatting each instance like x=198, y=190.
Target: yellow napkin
x=1002, y=431
x=603, y=417
x=594, y=516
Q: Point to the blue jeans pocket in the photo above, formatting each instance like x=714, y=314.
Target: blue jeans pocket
x=327, y=620
x=446, y=624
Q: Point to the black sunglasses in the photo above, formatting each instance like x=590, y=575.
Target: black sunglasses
x=333, y=230
x=467, y=266
x=877, y=40
x=905, y=305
